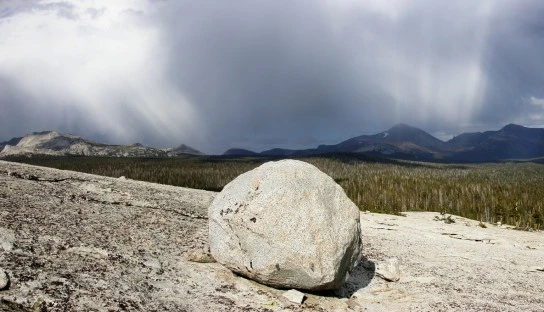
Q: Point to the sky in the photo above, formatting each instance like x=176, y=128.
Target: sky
x=259, y=74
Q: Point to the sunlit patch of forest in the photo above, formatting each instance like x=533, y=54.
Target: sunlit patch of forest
x=512, y=193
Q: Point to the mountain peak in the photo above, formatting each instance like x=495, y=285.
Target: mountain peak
x=512, y=127
x=182, y=149
x=402, y=127
x=43, y=132
x=403, y=131
x=402, y=134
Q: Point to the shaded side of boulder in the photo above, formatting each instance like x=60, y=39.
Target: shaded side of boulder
x=288, y=225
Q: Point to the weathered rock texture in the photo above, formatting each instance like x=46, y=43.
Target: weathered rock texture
x=78, y=242
x=286, y=224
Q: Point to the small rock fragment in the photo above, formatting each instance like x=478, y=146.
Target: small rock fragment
x=389, y=270
x=153, y=263
x=294, y=296
x=89, y=251
x=7, y=238
x=122, y=178
x=4, y=280
x=199, y=255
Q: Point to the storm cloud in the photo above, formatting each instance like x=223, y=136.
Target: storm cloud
x=261, y=74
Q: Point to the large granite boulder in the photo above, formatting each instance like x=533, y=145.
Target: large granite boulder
x=288, y=225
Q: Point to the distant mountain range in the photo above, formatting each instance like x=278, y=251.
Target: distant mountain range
x=58, y=144
x=400, y=142
x=406, y=142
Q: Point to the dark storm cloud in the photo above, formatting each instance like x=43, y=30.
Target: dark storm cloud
x=260, y=69
x=325, y=69
x=515, y=66
x=261, y=74
x=332, y=70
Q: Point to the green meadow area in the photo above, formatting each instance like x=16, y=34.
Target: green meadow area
x=509, y=192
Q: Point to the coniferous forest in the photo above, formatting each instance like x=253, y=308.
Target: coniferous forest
x=507, y=192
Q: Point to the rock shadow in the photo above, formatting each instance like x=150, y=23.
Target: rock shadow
x=359, y=278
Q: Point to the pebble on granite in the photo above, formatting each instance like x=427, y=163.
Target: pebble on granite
x=294, y=296
x=389, y=270
x=199, y=255
x=4, y=280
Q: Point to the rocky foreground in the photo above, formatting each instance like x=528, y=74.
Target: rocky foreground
x=77, y=242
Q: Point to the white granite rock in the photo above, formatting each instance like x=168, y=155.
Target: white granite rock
x=389, y=270
x=288, y=225
x=294, y=296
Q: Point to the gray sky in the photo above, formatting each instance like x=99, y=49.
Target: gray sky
x=252, y=74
